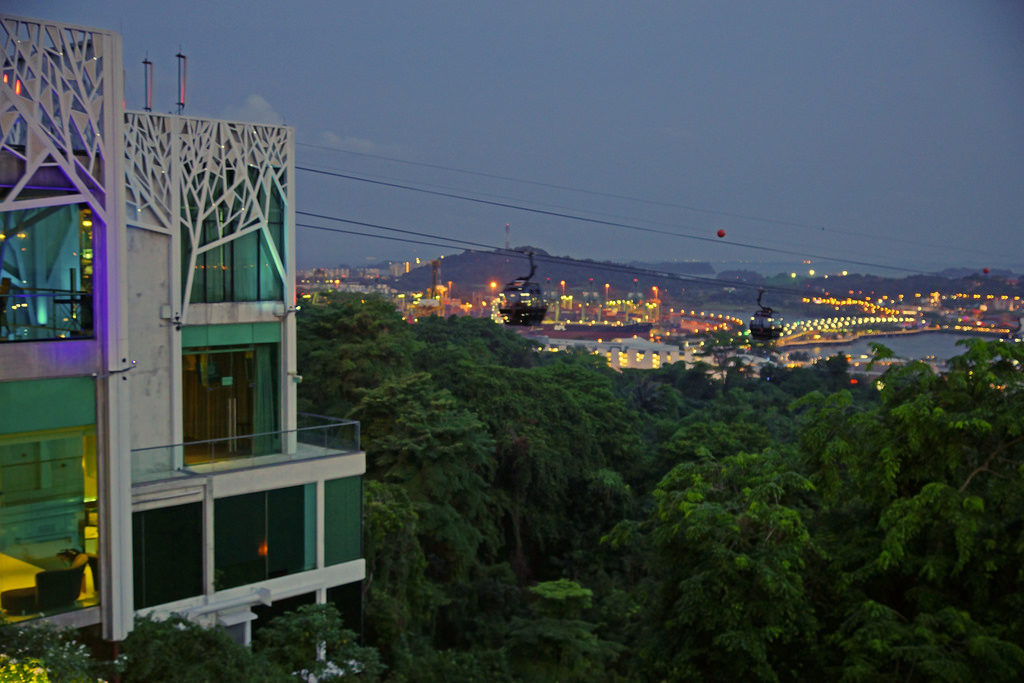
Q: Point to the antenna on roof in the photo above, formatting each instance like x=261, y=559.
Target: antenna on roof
x=147, y=68
x=182, y=77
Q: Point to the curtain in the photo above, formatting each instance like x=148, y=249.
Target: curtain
x=265, y=412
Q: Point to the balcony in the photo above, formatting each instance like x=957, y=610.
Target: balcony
x=318, y=436
x=33, y=314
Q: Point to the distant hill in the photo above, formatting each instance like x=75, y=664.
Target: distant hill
x=478, y=270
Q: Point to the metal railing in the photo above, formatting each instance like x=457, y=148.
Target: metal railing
x=317, y=436
x=32, y=314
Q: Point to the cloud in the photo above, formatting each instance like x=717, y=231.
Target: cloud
x=361, y=145
x=256, y=109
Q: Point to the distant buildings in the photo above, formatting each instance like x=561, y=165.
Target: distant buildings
x=147, y=360
x=624, y=353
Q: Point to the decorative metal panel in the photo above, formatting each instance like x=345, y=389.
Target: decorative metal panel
x=52, y=99
x=220, y=174
x=148, y=171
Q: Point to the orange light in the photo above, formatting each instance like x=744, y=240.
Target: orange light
x=263, y=549
x=494, y=284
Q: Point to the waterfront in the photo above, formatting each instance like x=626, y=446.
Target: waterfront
x=940, y=346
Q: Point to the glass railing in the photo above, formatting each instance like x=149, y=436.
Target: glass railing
x=34, y=314
x=317, y=436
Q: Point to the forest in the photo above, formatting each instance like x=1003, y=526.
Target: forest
x=538, y=516
x=535, y=516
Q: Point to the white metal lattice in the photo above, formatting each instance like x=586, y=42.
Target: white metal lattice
x=184, y=174
x=52, y=99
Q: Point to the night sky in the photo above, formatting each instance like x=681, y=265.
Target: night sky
x=890, y=133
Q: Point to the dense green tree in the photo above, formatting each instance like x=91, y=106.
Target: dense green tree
x=177, y=649
x=399, y=601
x=555, y=643
x=418, y=436
x=927, y=487
x=347, y=347
x=727, y=547
x=778, y=525
x=312, y=645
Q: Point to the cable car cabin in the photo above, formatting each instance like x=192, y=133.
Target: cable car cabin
x=522, y=304
x=765, y=327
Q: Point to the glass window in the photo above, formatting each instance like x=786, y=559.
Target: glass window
x=167, y=554
x=48, y=521
x=343, y=520
x=46, y=273
x=243, y=268
x=264, y=535
x=230, y=395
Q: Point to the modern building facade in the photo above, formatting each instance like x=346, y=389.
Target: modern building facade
x=151, y=456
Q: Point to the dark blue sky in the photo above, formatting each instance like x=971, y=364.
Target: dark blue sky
x=884, y=132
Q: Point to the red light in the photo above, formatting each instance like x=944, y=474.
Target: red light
x=854, y=380
x=262, y=549
x=17, y=87
x=985, y=271
x=721, y=233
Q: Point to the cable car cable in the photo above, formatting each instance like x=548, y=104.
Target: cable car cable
x=641, y=200
x=491, y=249
x=597, y=221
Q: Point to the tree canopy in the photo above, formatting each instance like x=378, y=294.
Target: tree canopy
x=561, y=521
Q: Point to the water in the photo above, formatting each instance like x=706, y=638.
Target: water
x=940, y=345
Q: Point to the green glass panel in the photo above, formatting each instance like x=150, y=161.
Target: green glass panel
x=271, y=288
x=245, y=268
x=286, y=522
x=167, y=554
x=239, y=540
x=29, y=405
x=232, y=334
x=262, y=535
x=343, y=520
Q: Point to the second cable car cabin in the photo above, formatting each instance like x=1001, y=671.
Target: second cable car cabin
x=521, y=302
x=765, y=325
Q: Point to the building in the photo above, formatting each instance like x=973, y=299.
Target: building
x=147, y=360
x=623, y=352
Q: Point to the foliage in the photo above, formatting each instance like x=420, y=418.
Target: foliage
x=312, y=644
x=41, y=652
x=728, y=546
x=555, y=643
x=777, y=525
x=399, y=601
x=346, y=347
x=177, y=649
x=439, y=453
